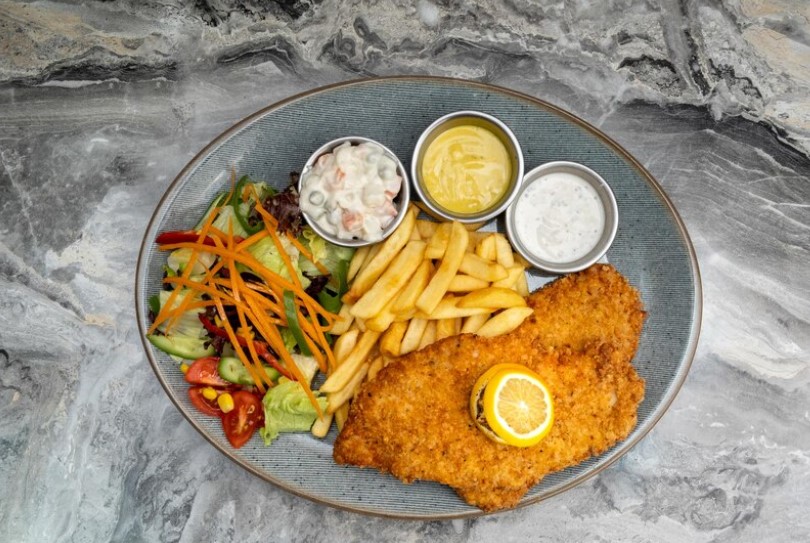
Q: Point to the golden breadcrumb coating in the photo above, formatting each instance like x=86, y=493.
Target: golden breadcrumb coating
x=413, y=419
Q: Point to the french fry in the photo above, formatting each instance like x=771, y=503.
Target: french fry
x=322, y=425
x=391, y=281
x=478, y=267
x=477, y=237
x=503, y=251
x=486, y=249
x=445, y=328
x=344, y=320
x=336, y=399
x=447, y=309
x=466, y=283
x=346, y=371
x=437, y=287
x=522, y=285
x=392, y=339
x=520, y=260
x=505, y=321
x=341, y=415
x=473, y=226
x=426, y=228
x=429, y=335
x=375, y=367
x=473, y=323
x=382, y=320
x=513, y=272
x=376, y=265
x=405, y=315
x=357, y=261
x=410, y=341
x=344, y=345
x=493, y=298
x=437, y=244
x=398, y=302
x=372, y=252
x=406, y=301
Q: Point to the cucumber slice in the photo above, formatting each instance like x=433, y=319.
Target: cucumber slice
x=188, y=348
x=231, y=369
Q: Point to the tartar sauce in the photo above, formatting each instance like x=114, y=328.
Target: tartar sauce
x=559, y=217
x=350, y=192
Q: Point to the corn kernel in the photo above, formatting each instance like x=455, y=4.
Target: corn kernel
x=225, y=402
x=184, y=367
x=209, y=393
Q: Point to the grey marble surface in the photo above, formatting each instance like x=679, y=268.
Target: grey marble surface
x=102, y=103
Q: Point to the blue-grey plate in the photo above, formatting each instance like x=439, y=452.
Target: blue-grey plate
x=652, y=249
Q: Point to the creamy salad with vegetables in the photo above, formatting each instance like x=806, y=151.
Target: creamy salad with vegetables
x=350, y=192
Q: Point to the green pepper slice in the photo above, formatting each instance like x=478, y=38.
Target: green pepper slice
x=293, y=324
x=236, y=204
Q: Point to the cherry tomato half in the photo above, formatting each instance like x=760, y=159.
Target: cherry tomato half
x=203, y=371
x=241, y=422
x=204, y=405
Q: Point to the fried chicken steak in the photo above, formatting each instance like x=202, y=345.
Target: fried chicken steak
x=413, y=419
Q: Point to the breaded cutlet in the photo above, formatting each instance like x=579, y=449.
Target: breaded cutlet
x=413, y=419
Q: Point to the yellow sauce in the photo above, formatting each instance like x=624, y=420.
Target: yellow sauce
x=466, y=169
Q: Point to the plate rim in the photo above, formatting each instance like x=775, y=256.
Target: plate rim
x=617, y=452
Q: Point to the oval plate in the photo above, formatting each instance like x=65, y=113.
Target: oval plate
x=652, y=249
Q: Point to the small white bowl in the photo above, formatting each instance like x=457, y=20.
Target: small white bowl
x=609, y=206
x=401, y=200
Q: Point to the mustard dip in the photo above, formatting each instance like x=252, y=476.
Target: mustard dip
x=466, y=169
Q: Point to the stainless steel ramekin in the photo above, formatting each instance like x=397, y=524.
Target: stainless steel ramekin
x=476, y=118
x=606, y=197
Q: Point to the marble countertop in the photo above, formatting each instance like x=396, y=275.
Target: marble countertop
x=102, y=103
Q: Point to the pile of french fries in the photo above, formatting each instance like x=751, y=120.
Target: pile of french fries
x=426, y=282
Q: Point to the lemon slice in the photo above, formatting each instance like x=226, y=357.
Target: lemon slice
x=512, y=405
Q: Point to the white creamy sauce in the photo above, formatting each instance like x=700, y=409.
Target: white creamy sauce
x=350, y=192
x=559, y=217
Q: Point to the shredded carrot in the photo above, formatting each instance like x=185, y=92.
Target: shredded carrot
x=240, y=313
x=247, y=259
x=238, y=348
x=245, y=243
x=273, y=337
x=195, y=305
x=258, y=306
x=237, y=286
x=187, y=300
x=300, y=316
x=211, y=291
x=307, y=254
x=187, y=272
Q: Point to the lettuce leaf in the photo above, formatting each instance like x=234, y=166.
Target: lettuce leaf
x=325, y=253
x=265, y=251
x=288, y=409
